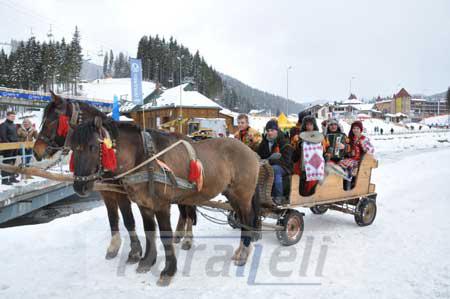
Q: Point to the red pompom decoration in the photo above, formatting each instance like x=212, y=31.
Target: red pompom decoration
x=63, y=126
x=196, y=173
x=109, y=160
x=71, y=164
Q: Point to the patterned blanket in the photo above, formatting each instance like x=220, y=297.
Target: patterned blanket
x=313, y=161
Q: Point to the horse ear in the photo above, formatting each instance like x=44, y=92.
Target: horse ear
x=98, y=122
x=56, y=98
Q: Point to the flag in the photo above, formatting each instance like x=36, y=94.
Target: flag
x=115, y=111
x=136, y=80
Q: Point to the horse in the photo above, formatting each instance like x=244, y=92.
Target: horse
x=49, y=142
x=229, y=167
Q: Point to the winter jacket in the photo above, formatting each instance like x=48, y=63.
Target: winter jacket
x=250, y=137
x=26, y=135
x=331, y=152
x=8, y=132
x=281, y=145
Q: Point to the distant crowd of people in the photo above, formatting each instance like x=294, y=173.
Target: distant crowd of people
x=12, y=132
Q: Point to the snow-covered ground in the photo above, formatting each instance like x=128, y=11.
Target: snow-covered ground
x=405, y=253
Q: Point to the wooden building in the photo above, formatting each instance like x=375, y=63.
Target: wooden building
x=175, y=107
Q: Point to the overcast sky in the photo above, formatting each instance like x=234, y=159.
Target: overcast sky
x=383, y=44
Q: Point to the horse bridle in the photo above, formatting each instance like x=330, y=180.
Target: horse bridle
x=100, y=170
x=75, y=120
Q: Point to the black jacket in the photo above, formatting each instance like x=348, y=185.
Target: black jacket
x=8, y=132
x=280, y=145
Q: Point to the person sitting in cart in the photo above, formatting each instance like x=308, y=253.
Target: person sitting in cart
x=276, y=149
x=246, y=134
x=308, y=158
x=336, y=147
x=359, y=145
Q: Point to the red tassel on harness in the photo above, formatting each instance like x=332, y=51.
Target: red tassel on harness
x=196, y=173
x=71, y=164
x=63, y=126
x=109, y=160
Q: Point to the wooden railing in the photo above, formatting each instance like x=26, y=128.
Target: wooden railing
x=15, y=145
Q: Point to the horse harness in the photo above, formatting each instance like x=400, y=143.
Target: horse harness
x=149, y=175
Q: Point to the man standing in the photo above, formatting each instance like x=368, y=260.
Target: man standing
x=276, y=148
x=246, y=134
x=8, y=133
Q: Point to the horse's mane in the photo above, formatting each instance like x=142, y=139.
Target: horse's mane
x=83, y=106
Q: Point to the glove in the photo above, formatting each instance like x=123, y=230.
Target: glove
x=275, y=156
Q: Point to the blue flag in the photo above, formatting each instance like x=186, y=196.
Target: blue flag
x=115, y=111
x=136, y=80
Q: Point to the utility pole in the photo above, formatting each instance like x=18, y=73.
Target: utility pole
x=287, y=90
x=181, y=91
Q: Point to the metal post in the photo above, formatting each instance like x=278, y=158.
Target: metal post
x=287, y=90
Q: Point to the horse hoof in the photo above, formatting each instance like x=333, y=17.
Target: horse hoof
x=111, y=254
x=240, y=262
x=164, y=281
x=187, y=244
x=144, y=266
x=133, y=258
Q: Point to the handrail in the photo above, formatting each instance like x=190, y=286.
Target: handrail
x=15, y=145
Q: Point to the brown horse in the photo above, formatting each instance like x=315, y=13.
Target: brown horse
x=49, y=143
x=230, y=168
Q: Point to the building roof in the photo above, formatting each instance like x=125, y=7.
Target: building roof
x=190, y=98
x=402, y=94
x=352, y=97
x=107, y=88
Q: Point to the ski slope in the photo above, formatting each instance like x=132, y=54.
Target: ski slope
x=404, y=254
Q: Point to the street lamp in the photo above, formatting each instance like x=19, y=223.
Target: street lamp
x=181, y=91
x=287, y=90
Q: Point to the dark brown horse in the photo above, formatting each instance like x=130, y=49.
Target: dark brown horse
x=49, y=142
x=230, y=168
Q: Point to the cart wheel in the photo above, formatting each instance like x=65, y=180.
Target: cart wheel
x=293, y=226
x=366, y=211
x=232, y=220
x=318, y=210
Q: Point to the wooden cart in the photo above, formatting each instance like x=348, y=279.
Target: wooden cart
x=360, y=201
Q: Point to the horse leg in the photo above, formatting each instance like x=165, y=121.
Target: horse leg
x=248, y=212
x=166, y=235
x=149, y=259
x=181, y=225
x=136, y=250
x=113, y=217
x=190, y=220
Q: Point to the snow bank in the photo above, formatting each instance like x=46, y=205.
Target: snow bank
x=441, y=120
x=402, y=255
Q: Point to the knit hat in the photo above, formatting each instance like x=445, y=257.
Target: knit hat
x=272, y=125
x=358, y=124
x=333, y=121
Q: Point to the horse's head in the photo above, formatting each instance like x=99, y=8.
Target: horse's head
x=48, y=141
x=86, y=154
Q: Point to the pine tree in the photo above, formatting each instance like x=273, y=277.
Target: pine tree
x=76, y=58
x=111, y=64
x=105, y=65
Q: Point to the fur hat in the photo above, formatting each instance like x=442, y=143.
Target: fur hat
x=272, y=125
x=333, y=121
x=310, y=119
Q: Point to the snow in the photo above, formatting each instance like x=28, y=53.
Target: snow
x=403, y=254
x=441, y=120
x=171, y=97
x=106, y=88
